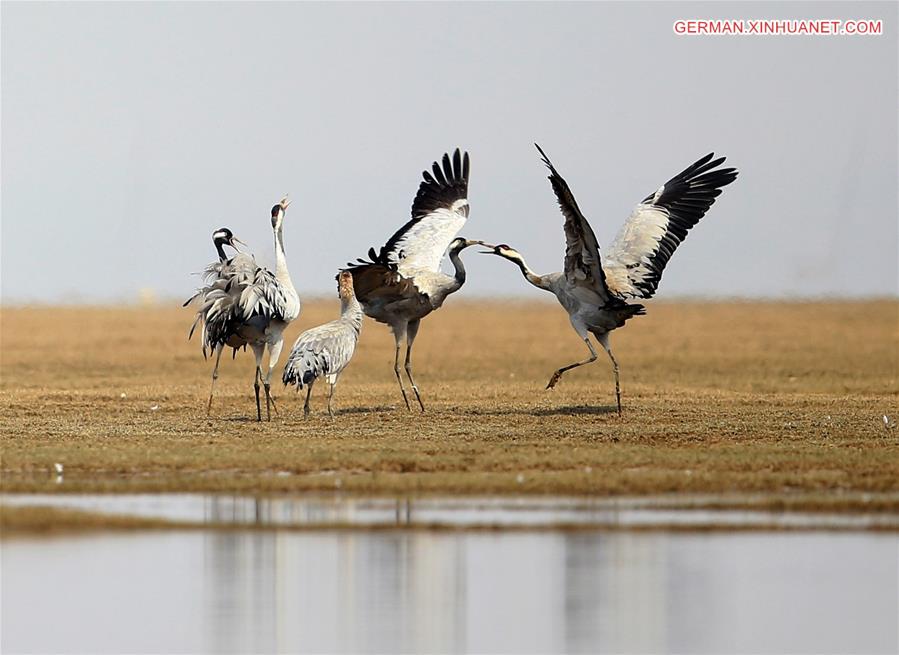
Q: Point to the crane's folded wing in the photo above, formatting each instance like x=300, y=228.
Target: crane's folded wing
x=320, y=351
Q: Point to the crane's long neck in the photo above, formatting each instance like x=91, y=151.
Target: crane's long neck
x=351, y=310
x=459, y=275
x=221, y=251
x=538, y=281
x=281, y=272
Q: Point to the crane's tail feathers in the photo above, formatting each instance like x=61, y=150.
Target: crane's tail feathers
x=633, y=310
x=306, y=364
x=624, y=312
x=629, y=311
x=298, y=376
x=194, y=326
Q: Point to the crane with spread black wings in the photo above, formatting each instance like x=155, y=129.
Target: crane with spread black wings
x=402, y=283
x=594, y=290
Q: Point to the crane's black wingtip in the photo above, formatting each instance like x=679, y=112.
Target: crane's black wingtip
x=449, y=170
x=546, y=160
x=702, y=168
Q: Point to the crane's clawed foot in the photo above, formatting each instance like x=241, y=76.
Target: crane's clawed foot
x=554, y=379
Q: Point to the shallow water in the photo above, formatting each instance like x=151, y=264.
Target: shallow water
x=464, y=512
x=450, y=591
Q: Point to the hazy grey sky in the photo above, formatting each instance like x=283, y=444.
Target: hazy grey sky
x=130, y=131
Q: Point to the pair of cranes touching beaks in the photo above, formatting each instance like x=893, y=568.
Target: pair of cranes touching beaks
x=243, y=304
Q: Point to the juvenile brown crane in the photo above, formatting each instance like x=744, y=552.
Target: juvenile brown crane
x=324, y=351
x=595, y=291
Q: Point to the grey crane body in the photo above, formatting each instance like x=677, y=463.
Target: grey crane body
x=244, y=304
x=326, y=350
x=402, y=284
x=594, y=291
x=587, y=311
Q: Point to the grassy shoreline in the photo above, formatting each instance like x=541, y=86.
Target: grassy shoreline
x=41, y=520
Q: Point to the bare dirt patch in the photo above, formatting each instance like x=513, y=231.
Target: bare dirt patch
x=775, y=398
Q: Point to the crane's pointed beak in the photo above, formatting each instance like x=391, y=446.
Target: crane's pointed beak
x=236, y=240
x=487, y=252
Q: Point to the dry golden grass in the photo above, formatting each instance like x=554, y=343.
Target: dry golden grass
x=719, y=397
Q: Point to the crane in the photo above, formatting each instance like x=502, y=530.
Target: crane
x=402, y=283
x=216, y=276
x=324, y=351
x=243, y=304
x=594, y=291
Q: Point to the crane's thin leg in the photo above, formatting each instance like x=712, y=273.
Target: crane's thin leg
x=274, y=353
x=308, y=395
x=269, y=398
x=558, y=374
x=257, y=351
x=604, y=341
x=396, y=370
x=398, y=335
x=215, y=375
x=330, y=397
x=256, y=388
x=410, y=338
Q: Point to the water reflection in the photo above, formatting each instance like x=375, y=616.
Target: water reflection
x=418, y=591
